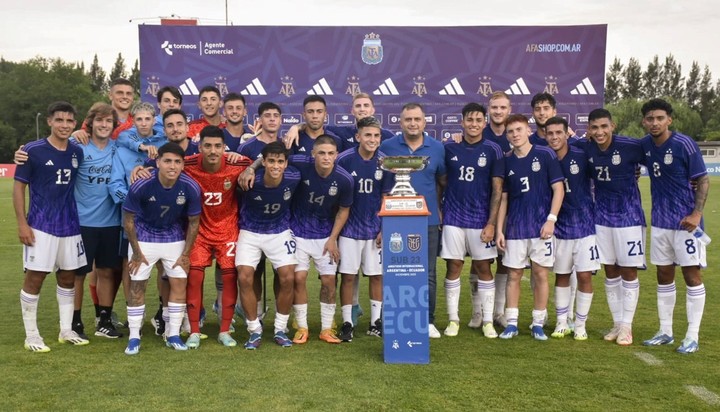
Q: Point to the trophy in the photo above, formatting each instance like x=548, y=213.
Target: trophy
x=402, y=166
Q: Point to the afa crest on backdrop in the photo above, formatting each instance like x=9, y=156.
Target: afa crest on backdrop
x=372, y=49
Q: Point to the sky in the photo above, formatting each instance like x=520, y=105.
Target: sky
x=76, y=30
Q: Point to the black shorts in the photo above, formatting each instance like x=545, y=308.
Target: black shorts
x=101, y=247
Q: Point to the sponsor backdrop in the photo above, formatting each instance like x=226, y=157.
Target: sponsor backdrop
x=442, y=68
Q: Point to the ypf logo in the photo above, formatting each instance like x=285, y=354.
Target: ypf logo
x=167, y=47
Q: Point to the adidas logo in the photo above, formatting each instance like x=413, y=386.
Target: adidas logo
x=321, y=88
x=258, y=198
x=511, y=173
x=519, y=87
x=453, y=88
x=255, y=88
x=353, y=173
x=307, y=182
x=302, y=149
x=49, y=163
x=454, y=158
x=152, y=199
x=387, y=88
x=188, y=88
x=647, y=153
x=585, y=87
x=88, y=157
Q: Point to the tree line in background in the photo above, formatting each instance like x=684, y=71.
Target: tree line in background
x=28, y=87
x=695, y=98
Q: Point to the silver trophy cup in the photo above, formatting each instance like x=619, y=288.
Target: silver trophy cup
x=402, y=166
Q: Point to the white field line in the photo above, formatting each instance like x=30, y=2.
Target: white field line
x=648, y=359
x=705, y=395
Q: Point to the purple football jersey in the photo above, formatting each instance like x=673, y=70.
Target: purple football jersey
x=51, y=175
x=161, y=213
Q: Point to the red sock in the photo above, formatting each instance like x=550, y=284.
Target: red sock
x=229, y=298
x=194, y=297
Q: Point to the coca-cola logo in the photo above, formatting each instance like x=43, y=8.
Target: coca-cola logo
x=100, y=169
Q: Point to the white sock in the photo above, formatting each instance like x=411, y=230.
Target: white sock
x=301, y=315
x=135, y=316
x=539, y=317
x=573, y=293
x=511, y=314
x=666, y=296
x=562, y=304
x=66, y=306
x=281, y=322
x=452, y=296
x=375, y=310
x=500, y=288
x=474, y=295
x=176, y=312
x=254, y=326
x=327, y=315
x=29, y=305
x=346, y=313
x=486, y=296
x=584, y=300
x=631, y=293
x=613, y=292
x=695, y=306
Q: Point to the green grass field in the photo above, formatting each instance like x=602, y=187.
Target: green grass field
x=468, y=372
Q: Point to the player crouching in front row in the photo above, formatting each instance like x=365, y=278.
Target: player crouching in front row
x=155, y=210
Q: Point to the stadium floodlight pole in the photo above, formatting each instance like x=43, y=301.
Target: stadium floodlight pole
x=37, y=126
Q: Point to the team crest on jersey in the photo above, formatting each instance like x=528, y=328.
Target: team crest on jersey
x=414, y=242
x=74, y=162
x=180, y=200
x=668, y=158
x=378, y=174
x=396, y=243
x=333, y=190
x=287, y=195
x=227, y=184
x=616, y=158
x=535, y=165
x=482, y=160
x=574, y=168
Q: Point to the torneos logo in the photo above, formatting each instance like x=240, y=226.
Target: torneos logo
x=167, y=47
x=171, y=47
